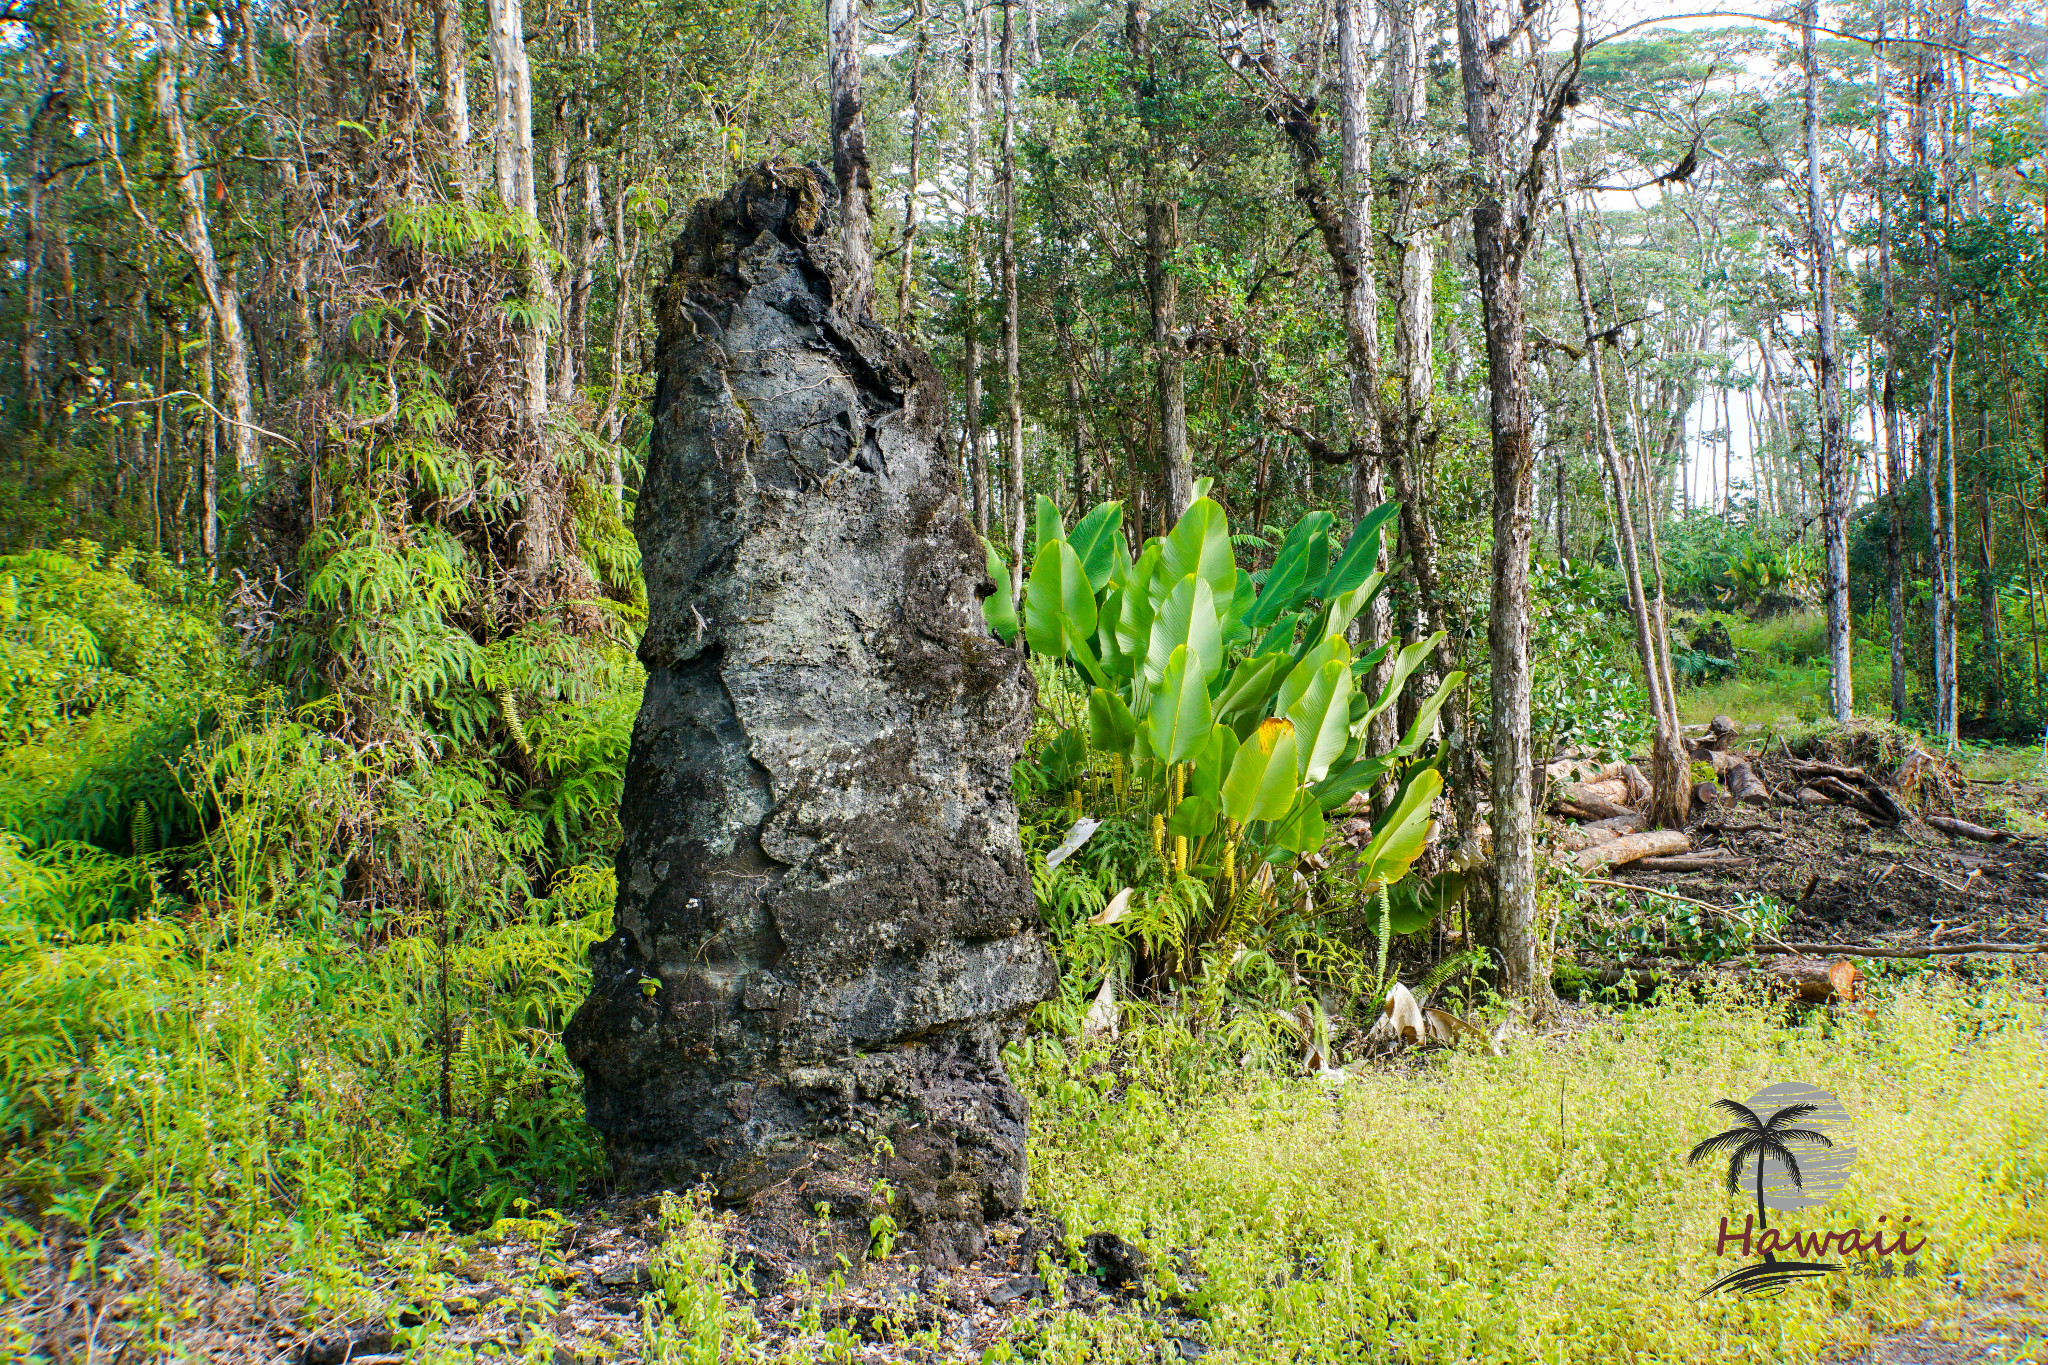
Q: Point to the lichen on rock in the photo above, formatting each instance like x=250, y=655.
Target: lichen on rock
x=825, y=929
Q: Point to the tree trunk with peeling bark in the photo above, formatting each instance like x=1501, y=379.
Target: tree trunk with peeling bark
x=974, y=44
x=1162, y=286
x=196, y=238
x=1834, y=489
x=1012, y=383
x=1670, y=774
x=1500, y=240
x=452, y=62
x=850, y=152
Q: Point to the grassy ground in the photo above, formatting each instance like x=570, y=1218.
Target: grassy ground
x=1532, y=1207
x=1783, y=674
x=1447, y=1207
x=1539, y=1207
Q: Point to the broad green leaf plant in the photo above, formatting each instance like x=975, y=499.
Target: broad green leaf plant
x=1229, y=706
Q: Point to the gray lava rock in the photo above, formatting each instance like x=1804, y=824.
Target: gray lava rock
x=825, y=928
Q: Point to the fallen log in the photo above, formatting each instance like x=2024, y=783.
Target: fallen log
x=1965, y=829
x=1874, y=799
x=1619, y=824
x=1576, y=838
x=1808, y=798
x=1745, y=786
x=1812, y=981
x=1926, y=950
x=1579, y=803
x=1704, y=861
x=1835, y=789
x=1706, y=794
x=1719, y=731
x=1815, y=980
x=1629, y=849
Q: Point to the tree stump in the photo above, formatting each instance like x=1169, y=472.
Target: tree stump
x=825, y=926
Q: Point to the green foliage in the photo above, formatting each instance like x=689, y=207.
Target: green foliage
x=1209, y=720
x=1679, y=928
x=285, y=964
x=110, y=666
x=1298, y=1220
x=1587, y=694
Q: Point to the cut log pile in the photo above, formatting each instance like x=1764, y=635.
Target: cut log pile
x=1605, y=801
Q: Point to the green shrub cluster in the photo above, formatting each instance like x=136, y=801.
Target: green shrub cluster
x=285, y=952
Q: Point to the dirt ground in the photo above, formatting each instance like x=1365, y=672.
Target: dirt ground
x=1851, y=879
x=2006, y=1322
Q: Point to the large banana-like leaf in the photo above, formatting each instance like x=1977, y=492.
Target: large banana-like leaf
x=1405, y=663
x=1205, y=778
x=1111, y=726
x=1402, y=834
x=1280, y=639
x=1347, y=779
x=1059, y=606
x=1232, y=612
x=1322, y=720
x=1179, y=719
x=1248, y=685
x=1134, y=618
x=1287, y=581
x=1425, y=715
x=997, y=610
x=1344, y=608
x=1360, y=557
x=1194, y=817
x=1186, y=618
x=1200, y=544
x=1098, y=539
x=1302, y=831
x=1115, y=663
x=1049, y=526
x=1304, y=673
x=1261, y=784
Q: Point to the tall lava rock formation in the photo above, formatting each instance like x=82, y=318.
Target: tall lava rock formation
x=825, y=927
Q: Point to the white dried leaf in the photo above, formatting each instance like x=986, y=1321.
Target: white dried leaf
x=1401, y=1017
x=1105, y=1016
x=1083, y=830
x=1119, y=906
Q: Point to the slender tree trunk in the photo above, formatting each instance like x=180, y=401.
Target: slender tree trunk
x=1498, y=247
x=850, y=152
x=1834, y=494
x=1987, y=603
x=1012, y=383
x=1084, y=475
x=197, y=240
x=32, y=250
x=974, y=44
x=453, y=62
x=512, y=86
x=1162, y=285
x=1670, y=787
x=592, y=242
x=906, y=317
x=1888, y=338
x=1372, y=417
x=209, y=457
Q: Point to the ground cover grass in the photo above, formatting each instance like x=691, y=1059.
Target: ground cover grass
x=1454, y=1207
x=1539, y=1207
x=1532, y=1207
x=1782, y=673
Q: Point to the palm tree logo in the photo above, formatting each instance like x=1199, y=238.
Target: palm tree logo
x=1768, y=1142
